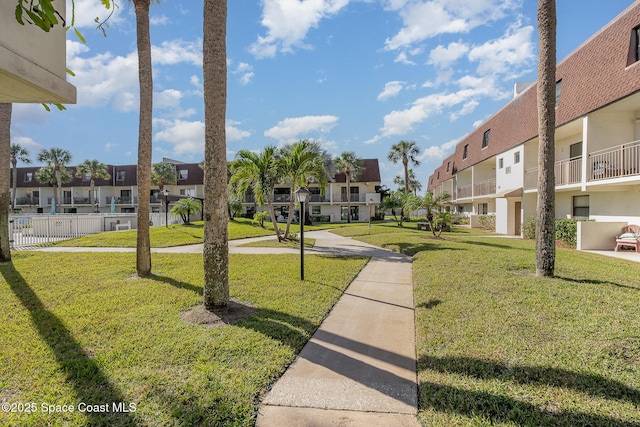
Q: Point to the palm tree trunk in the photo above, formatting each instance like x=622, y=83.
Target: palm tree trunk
x=145, y=77
x=290, y=216
x=272, y=214
x=545, y=225
x=405, y=163
x=216, y=246
x=58, y=189
x=92, y=185
x=5, y=153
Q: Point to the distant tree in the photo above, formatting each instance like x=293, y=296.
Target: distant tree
x=163, y=174
x=52, y=176
x=5, y=152
x=261, y=217
x=405, y=152
x=57, y=158
x=434, y=205
x=301, y=164
x=21, y=154
x=260, y=173
x=545, y=224
x=393, y=203
x=94, y=169
x=349, y=164
x=185, y=207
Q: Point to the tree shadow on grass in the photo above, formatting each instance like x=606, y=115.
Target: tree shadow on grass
x=432, y=303
x=504, y=409
x=413, y=248
x=493, y=245
x=91, y=384
x=594, y=385
x=597, y=282
x=177, y=283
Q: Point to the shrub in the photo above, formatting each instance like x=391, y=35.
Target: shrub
x=320, y=218
x=487, y=222
x=566, y=230
x=458, y=219
x=529, y=228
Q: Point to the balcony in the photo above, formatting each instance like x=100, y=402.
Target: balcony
x=620, y=161
x=566, y=172
x=465, y=191
x=27, y=201
x=317, y=198
x=484, y=188
x=121, y=200
x=282, y=198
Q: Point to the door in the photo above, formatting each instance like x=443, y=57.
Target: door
x=518, y=218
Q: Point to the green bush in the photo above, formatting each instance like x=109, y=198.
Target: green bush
x=458, y=219
x=487, y=222
x=320, y=218
x=566, y=230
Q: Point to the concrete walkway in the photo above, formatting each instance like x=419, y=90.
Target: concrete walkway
x=359, y=368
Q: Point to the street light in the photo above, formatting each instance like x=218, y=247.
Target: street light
x=301, y=196
x=370, y=203
x=166, y=207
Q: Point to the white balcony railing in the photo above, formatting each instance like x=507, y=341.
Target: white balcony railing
x=484, y=188
x=565, y=171
x=464, y=191
x=622, y=160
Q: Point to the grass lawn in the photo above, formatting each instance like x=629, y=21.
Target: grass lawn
x=498, y=346
x=273, y=243
x=179, y=235
x=80, y=328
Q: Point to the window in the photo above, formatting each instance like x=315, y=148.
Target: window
x=558, y=90
x=634, y=46
x=465, y=151
x=120, y=176
x=355, y=213
x=183, y=174
x=28, y=177
x=483, y=208
x=438, y=175
x=485, y=139
x=581, y=206
x=516, y=157
x=507, y=170
x=575, y=150
x=316, y=210
x=448, y=164
x=500, y=163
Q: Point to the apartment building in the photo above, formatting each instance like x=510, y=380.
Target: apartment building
x=597, y=140
x=121, y=190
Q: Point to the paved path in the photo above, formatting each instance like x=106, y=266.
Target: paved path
x=359, y=368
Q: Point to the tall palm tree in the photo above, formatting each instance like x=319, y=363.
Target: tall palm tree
x=405, y=152
x=5, y=151
x=50, y=175
x=163, y=174
x=21, y=154
x=58, y=158
x=301, y=164
x=94, y=169
x=145, y=78
x=545, y=224
x=260, y=173
x=214, y=68
x=349, y=164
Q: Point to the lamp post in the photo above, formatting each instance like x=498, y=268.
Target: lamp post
x=370, y=203
x=301, y=196
x=166, y=207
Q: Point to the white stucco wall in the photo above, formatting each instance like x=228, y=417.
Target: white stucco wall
x=515, y=178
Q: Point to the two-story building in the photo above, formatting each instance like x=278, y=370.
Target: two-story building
x=120, y=193
x=597, y=140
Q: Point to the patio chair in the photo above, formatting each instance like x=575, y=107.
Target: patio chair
x=630, y=238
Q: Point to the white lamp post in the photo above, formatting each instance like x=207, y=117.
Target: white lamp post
x=166, y=207
x=301, y=196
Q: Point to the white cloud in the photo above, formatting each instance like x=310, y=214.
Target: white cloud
x=291, y=129
x=438, y=152
x=158, y=20
x=110, y=146
x=500, y=56
x=185, y=137
x=289, y=21
x=404, y=59
x=444, y=56
x=87, y=10
x=390, y=89
x=25, y=142
x=169, y=98
x=244, y=71
x=233, y=131
x=177, y=51
x=444, y=17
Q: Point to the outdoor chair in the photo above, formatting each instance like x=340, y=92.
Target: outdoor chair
x=630, y=238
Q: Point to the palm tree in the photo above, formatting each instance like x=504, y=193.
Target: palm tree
x=145, y=78
x=414, y=184
x=94, y=169
x=21, y=154
x=545, y=224
x=301, y=164
x=163, y=174
x=58, y=158
x=185, y=207
x=260, y=173
x=393, y=202
x=349, y=164
x=434, y=205
x=5, y=151
x=50, y=175
x=214, y=69
x=405, y=152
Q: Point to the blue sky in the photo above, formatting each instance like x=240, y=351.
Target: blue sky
x=355, y=75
